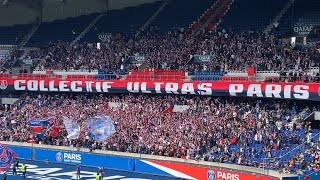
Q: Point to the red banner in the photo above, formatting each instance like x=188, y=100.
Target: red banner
x=203, y=173
x=303, y=91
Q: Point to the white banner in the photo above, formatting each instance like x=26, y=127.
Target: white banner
x=180, y=108
x=72, y=128
x=9, y=100
x=114, y=105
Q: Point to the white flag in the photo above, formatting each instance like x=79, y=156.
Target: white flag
x=180, y=108
x=72, y=128
x=114, y=105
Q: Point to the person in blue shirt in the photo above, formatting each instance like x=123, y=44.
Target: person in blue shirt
x=101, y=169
x=78, y=172
x=4, y=176
x=14, y=169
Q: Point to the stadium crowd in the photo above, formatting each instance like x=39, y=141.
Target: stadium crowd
x=175, y=49
x=232, y=130
x=228, y=130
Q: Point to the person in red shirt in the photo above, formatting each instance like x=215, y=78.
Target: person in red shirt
x=234, y=140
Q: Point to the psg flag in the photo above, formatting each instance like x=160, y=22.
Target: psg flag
x=40, y=124
x=6, y=158
x=100, y=128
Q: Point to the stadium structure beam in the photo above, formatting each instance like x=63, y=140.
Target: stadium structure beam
x=32, y=4
x=106, y=2
x=5, y=2
x=107, y=5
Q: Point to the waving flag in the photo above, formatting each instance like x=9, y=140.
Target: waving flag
x=54, y=131
x=100, y=128
x=6, y=157
x=72, y=128
x=38, y=125
x=168, y=110
x=180, y=108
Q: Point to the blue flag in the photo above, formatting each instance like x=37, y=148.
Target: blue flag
x=100, y=128
x=41, y=122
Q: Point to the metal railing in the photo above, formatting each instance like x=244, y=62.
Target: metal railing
x=148, y=77
x=169, y=77
x=61, y=77
x=315, y=173
x=278, y=162
x=269, y=163
x=299, y=149
x=66, y=72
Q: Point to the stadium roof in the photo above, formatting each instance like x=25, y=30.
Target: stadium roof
x=28, y=11
x=34, y=4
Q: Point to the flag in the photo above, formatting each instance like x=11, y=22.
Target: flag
x=40, y=124
x=168, y=110
x=36, y=126
x=72, y=128
x=180, y=108
x=6, y=158
x=100, y=128
x=112, y=105
x=106, y=106
x=54, y=131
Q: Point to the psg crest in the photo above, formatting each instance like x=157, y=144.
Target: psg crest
x=211, y=175
x=59, y=156
x=3, y=84
x=6, y=157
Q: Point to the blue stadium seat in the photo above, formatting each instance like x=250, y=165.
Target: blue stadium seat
x=303, y=12
x=126, y=21
x=180, y=14
x=251, y=15
x=60, y=30
x=14, y=35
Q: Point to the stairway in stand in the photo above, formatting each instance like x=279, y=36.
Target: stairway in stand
x=210, y=19
x=215, y=18
x=88, y=28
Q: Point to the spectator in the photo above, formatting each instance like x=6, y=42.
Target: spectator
x=242, y=131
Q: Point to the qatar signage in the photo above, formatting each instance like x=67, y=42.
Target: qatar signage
x=136, y=59
x=202, y=58
x=302, y=30
x=300, y=91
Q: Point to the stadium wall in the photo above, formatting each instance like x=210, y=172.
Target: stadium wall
x=141, y=163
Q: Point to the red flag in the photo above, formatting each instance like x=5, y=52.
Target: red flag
x=106, y=106
x=37, y=129
x=168, y=110
x=54, y=131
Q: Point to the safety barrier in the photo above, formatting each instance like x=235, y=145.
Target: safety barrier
x=60, y=77
x=170, y=78
x=142, y=163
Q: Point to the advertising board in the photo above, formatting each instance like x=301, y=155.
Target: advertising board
x=143, y=166
x=301, y=91
x=212, y=173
